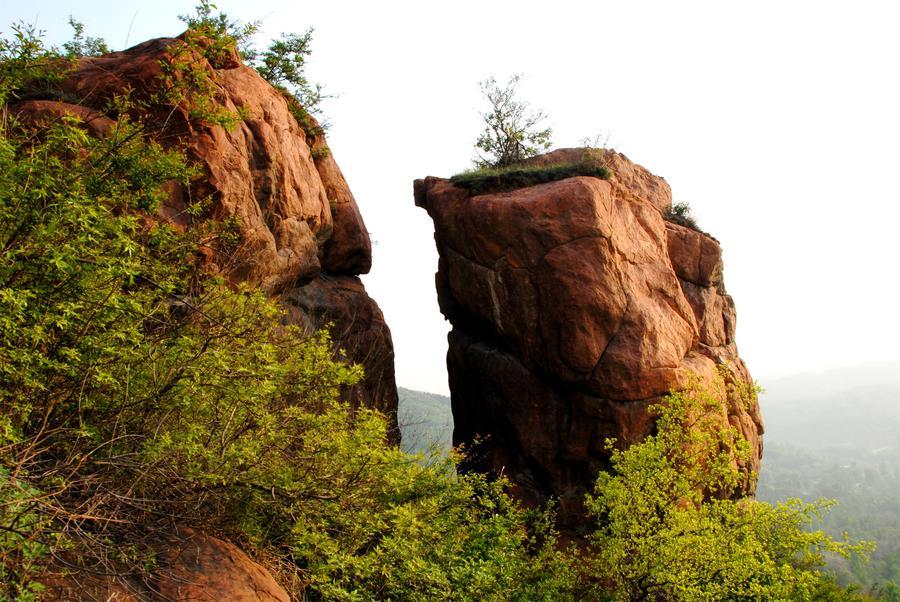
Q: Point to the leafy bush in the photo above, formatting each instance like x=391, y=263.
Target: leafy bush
x=668, y=529
x=680, y=213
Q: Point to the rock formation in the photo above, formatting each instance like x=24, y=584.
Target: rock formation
x=302, y=235
x=575, y=305
x=303, y=240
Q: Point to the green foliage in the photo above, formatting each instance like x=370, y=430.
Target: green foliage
x=511, y=132
x=24, y=63
x=680, y=213
x=488, y=180
x=669, y=530
x=219, y=28
x=138, y=391
x=282, y=64
x=82, y=45
x=430, y=536
x=23, y=538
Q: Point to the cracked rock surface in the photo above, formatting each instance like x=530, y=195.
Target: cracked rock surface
x=303, y=238
x=575, y=305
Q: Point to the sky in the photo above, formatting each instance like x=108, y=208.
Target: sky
x=777, y=121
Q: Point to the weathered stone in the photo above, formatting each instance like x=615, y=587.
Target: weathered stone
x=575, y=306
x=357, y=325
x=194, y=566
x=629, y=181
x=298, y=219
x=45, y=113
x=349, y=250
x=262, y=171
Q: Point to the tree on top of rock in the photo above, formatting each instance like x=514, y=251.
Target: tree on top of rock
x=511, y=131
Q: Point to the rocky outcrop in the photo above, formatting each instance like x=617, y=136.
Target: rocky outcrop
x=575, y=305
x=302, y=234
x=189, y=566
x=357, y=326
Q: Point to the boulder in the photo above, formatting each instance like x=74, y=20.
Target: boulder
x=299, y=222
x=575, y=306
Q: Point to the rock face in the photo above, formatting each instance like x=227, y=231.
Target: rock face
x=575, y=305
x=191, y=566
x=302, y=235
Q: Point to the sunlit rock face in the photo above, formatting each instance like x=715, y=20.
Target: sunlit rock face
x=575, y=305
x=303, y=238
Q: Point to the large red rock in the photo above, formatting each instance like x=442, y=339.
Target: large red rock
x=575, y=305
x=261, y=171
x=299, y=222
x=303, y=240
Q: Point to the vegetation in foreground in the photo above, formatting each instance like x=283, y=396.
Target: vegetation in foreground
x=668, y=527
x=139, y=392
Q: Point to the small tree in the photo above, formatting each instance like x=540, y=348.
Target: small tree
x=282, y=64
x=511, y=132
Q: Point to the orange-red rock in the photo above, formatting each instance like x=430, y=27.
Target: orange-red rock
x=261, y=171
x=299, y=222
x=358, y=327
x=43, y=113
x=194, y=566
x=575, y=305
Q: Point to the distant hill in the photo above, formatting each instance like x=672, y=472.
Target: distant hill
x=836, y=434
x=425, y=421
x=853, y=416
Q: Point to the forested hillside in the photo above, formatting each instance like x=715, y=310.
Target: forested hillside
x=837, y=435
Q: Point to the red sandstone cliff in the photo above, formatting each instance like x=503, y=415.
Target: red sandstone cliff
x=575, y=305
x=302, y=239
x=302, y=235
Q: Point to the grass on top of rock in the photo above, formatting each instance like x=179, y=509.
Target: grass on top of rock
x=487, y=180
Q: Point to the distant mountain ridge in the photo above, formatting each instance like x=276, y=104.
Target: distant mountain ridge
x=853, y=408
x=425, y=421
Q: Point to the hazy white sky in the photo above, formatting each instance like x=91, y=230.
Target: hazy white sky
x=778, y=121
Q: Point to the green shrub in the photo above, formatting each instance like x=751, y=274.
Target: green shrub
x=680, y=213
x=668, y=528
